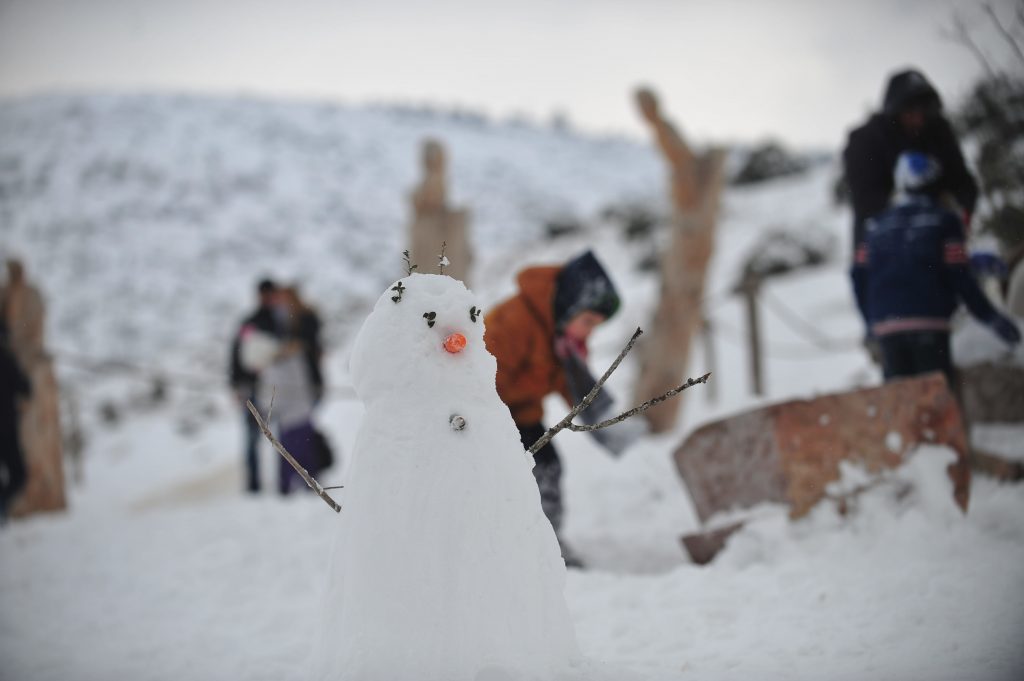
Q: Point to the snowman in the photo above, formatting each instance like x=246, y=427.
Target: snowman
x=445, y=567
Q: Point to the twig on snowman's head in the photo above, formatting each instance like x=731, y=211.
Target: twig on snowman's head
x=409, y=267
x=578, y=409
x=400, y=289
x=442, y=261
x=303, y=473
x=641, y=408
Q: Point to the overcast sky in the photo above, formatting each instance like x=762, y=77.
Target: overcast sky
x=731, y=70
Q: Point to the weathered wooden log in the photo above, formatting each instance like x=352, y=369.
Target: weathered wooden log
x=695, y=188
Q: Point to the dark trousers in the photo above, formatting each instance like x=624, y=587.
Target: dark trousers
x=548, y=472
x=12, y=465
x=912, y=353
x=252, y=452
x=300, y=442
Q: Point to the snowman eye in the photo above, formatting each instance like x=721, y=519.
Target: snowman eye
x=429, y=316
x=474, y=313
x=398, y=288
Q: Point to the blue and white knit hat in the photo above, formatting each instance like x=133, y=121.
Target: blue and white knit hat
x=916, y=173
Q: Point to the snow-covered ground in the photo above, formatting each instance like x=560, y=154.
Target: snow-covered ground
x=161, y=569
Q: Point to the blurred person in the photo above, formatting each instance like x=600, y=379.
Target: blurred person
x=291, y=381
x=911, y=119
x=912, y=270
x=244, y=376
x=14, y=386
x=302, y=323
x=539, y=339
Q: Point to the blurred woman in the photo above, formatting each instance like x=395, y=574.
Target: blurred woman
x=294, y=382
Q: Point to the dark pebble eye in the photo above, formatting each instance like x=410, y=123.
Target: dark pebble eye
x=429, y=316
x=398, y=288
x=474, y=313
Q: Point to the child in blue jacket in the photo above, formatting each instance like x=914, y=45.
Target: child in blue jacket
x=912, y=270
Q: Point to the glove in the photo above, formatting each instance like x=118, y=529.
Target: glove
x=988, y=264
x=567, y=346
x=1005, y=329
x=620, y=437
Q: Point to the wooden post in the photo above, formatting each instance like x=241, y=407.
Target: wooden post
x=435, y=223
x=696, y=184
x=74, y=440
x=710, y=356
x=750, y=289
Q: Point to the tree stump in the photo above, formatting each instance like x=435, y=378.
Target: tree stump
x=39, y=426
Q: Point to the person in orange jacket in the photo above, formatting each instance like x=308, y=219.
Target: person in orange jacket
x=539, y=338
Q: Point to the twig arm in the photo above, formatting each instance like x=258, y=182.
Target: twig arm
x=303, y=473
x=578, y=409
x=639, y=409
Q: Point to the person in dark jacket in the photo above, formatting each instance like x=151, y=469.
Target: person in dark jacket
x=911, y=119
x=539, y=339
x=14, y=385
x=245, y=381
x=912, y=270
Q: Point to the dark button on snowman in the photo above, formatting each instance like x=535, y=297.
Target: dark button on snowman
x=444, y=566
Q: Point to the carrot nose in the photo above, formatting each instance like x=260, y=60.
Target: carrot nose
x=454, y=343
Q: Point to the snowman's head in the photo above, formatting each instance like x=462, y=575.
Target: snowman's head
x=424, y=335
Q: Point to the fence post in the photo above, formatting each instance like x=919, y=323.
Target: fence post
x=710, y=356
x=750, y=288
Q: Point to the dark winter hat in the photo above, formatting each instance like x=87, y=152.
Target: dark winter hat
x=910, y=89
x=583, y=285
x=266, y=286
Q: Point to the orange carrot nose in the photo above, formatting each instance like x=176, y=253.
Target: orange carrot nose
x=455, y=342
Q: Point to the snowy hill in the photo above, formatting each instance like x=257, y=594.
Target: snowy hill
x=147, y=219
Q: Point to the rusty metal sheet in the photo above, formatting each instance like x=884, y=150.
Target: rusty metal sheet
x=732, y=463
x=789, y=452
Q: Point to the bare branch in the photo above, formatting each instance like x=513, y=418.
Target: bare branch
x=303, y=473
x=961, y=35
x=639, y=409
x=409, y=267
x=564, y=423
x=1003, y=30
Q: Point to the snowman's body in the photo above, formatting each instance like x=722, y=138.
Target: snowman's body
x=445, y=567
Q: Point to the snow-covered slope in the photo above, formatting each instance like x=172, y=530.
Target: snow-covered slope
x=147, y=219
